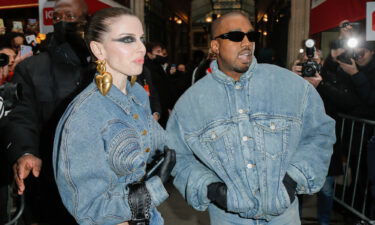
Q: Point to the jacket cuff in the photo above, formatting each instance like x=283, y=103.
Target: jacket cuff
x=202, y=192
x=300, y=179
x=156, y=189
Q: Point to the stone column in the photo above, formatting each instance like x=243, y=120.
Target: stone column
x=139, y=10
x=299, y=26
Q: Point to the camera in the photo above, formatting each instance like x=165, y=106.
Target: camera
x=4, y=59
x=351, y=46
x=310, y=67
x=11, y=94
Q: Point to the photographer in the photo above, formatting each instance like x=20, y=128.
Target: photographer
x=311, y=68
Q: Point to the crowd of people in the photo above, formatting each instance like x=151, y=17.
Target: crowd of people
x=106, y=121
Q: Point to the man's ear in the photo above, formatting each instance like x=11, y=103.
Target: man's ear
x=98, y=50
x=215, y=46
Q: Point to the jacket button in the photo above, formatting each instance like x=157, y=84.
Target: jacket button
x=135, y=116
x=237, y=87
x=144, y=132
x=213, y=136
x=147, y=150
x=245, y=138
x=241, y=111
x=249, y=166
x=272, y=126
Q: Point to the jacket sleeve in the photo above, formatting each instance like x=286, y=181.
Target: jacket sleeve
x=191, y=177
x=309, y=164
x=364, y=87
x=94, y=184
x=23, y=129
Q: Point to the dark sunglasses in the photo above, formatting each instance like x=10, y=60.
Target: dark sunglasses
x=238, y=36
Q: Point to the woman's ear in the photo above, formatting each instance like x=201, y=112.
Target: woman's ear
x=98, y=50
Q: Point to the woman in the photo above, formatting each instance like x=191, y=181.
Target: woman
x=107, y=134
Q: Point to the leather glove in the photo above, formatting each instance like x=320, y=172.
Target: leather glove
x=290, y=186
x=167, y=165
x=217, y=193
x=140, y=202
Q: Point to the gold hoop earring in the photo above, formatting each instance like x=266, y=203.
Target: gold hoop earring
x=104, y=79
x=133, y=79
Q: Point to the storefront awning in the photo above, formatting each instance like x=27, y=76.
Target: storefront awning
x=327, y=14
x=6, y=4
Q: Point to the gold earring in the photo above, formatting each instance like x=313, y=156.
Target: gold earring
x=103, y=79
x=133, y=79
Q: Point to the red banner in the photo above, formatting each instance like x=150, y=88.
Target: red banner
x=330, y=13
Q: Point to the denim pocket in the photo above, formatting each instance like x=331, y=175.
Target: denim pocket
x=271, y=136
x=219, y=141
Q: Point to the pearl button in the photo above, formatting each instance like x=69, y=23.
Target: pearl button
x=213, y=136
x=241, y=111
x=245, y=138
x=237, y=87
x=249, y=166
x=272, y=126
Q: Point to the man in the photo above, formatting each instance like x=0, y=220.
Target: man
x=249, y=136
x=49, y=80
x=154, y=60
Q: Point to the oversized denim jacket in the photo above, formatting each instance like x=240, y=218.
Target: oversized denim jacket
x=248, y=134
x=102, y=144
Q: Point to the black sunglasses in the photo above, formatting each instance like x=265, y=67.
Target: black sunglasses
x=238, y=36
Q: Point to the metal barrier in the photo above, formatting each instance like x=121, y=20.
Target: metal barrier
x=351, y=190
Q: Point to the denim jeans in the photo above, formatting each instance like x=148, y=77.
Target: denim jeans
x=325, y=201
x=220, y=217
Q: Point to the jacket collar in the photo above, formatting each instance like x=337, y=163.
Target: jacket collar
x=222, y=77
x=122, y=100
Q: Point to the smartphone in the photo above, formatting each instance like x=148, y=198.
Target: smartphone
x=2, y=31
x=25, y=49
x=30, y=39
x=17, y=26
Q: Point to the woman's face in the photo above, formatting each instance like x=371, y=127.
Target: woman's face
x=122, y=47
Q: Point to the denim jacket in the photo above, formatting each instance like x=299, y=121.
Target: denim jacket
x=248, y=134
x=102, y=144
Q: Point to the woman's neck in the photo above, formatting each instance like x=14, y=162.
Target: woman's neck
x=119, y=80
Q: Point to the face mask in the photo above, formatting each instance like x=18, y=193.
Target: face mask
x=65, y=30
x=161, y=59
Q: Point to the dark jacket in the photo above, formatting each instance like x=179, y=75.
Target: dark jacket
x=49, y=81
x=364, y=82
x=160, y=82
x=339, y=95
x=145, y=79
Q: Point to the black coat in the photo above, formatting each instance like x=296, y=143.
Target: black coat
x=49, y=82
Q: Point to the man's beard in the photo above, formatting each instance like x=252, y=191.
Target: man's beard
x=238, y=69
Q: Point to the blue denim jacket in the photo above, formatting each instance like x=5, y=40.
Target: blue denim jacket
x=248, y=134
x=102, y=144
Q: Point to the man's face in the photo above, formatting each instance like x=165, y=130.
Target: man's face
x=68, y=11
x=234, y=58
x=11, y=54
x=364, y=56
x=155, y=51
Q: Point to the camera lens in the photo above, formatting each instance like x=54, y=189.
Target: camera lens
x=4, y=59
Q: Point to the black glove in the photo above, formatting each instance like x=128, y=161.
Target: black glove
x=140, y=203
x=290, y=186
x=217, y=193
x=167, y=165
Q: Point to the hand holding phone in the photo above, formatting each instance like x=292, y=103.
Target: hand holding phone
x=26, y=50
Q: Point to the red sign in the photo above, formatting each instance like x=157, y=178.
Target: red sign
x=47, y=16
x=373, y=21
